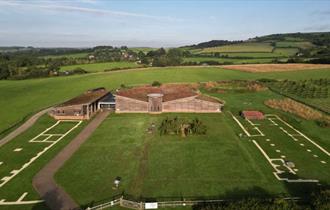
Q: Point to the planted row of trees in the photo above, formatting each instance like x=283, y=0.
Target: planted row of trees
x=304, y=88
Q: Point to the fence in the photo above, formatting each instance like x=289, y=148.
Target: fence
x=161, y=204
x=142, y=205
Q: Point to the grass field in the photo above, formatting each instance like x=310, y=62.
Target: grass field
x=100, y=67
x=164, y=166
x=168, y=167
x=49, y=91
x=243, y=47
x=277, y=67
x=294, y=44
x=229, y=60
x=285, y=51
x=12, y=159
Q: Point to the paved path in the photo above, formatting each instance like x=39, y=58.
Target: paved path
x=55, y=197
x=27, y=124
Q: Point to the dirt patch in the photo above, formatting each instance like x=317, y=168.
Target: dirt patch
x=276, y=67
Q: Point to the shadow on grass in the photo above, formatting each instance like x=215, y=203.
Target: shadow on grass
x=302, y=190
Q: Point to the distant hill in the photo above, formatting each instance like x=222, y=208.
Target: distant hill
x=316, y=38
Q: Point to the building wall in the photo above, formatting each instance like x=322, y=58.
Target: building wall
x=124, y=104
x=191, y=104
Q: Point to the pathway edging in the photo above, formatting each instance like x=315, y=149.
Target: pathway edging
x=54, y=195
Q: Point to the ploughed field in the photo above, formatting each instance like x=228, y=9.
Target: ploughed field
x=20, y=99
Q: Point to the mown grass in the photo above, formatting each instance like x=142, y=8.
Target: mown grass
x=157, y=166
x=20, y=98
x=100, y=67
x=14, y=160
x=168, y=167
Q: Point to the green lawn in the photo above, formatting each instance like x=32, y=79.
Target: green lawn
x=168, y=167
x=165, y=166
x=100, y=67
x=12, y=160
x=21, y=98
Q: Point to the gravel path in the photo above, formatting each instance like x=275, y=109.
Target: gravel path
x=55, y=197
x=27, y=124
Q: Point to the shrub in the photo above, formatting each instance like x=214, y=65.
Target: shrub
x=180, y=126
x=156, y=84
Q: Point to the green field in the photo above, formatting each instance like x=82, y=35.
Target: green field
x=50, y=91
x=244, y=47
x=164, y=166
x=228, y=60
x=14, y=160
x=294, y=44
x=285, y=51
x=169, y=167
x=100, y=67
x=150, y=165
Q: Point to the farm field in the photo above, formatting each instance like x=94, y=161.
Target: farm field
x=294, y=44
x=50, y=91
x=154, y=166
x=285, y=51
x=100, y=67
x=276, y=67
x=276, y=53
x=229, y=60
x=243, y=47
x=25, y=155
x=312, y=92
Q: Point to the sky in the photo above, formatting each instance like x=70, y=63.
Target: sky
x=153, y=23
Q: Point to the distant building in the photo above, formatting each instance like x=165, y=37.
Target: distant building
x=82, y=107
x=252, y=115
x=166, y=98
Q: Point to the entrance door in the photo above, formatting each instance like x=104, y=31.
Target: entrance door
x=155, y=104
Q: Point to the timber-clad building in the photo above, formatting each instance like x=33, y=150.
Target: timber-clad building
x=82, y=107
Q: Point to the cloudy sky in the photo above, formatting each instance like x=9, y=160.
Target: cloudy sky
x=83, y=23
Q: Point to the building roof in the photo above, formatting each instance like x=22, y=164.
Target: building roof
x=252, y=114
x=109, y=98
x=208, y=98
x=86, y=98
x=170, y=92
